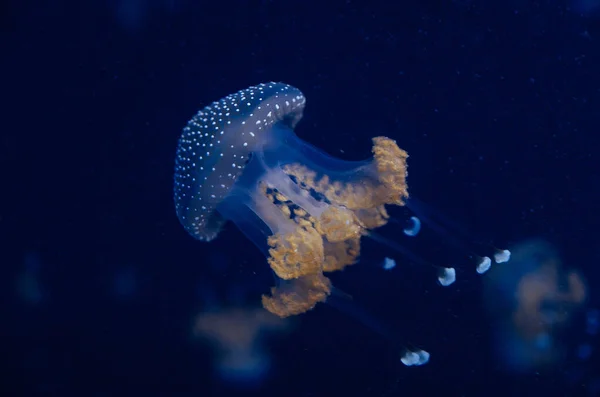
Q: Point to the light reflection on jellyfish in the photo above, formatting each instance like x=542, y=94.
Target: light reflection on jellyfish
x=239, y=160
x=530, y=302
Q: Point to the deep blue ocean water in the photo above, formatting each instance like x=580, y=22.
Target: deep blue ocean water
x=496, y=103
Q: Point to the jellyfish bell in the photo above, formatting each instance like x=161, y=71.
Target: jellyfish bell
x=239, y=160
x=216, y=146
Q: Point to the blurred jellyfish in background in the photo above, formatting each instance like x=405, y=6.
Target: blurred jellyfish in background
x=236, y=335
x=133, y=15
x=124, y=285
x=531, y=302
x=28, y=286
x=234, y=325
x=586, y=7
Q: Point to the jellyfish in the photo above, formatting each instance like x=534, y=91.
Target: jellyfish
x=236, y=335
x=239, y=160
x=236, y=328
x=530, y=303
x=28, y=282
x=125, y=283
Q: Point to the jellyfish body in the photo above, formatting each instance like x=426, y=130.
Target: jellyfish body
x=239, y=160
